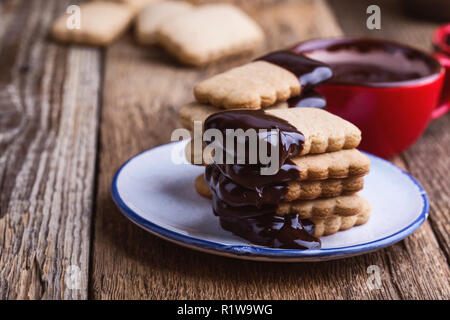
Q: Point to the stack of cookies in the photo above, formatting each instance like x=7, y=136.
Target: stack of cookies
x=314, y=191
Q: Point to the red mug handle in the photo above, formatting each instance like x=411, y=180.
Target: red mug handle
x=442, y=108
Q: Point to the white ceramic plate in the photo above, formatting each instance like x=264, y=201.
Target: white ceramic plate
x=158, y=195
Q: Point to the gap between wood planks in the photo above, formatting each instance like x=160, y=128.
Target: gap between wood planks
x=97, y=170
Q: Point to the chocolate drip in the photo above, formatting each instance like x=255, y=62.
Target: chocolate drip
x=236, y=195
x=290, y=140
x=262, y=226
x=288, y=232
x=308, y=99
x=222, y=209
x=310, y=73
x=249, y=176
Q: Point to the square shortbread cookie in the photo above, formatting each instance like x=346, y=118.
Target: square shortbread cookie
x=251, y=86
x=100, y=23
x=210, y=32
x=153, y=15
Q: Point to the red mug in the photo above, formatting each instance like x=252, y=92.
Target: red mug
x=441, y=43
x=391, y=97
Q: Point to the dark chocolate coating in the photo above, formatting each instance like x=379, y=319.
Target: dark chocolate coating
x=287, y=232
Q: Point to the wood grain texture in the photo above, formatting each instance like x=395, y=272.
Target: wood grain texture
x=48, y=124
x=143, y=89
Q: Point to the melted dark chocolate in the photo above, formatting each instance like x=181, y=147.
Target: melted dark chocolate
x=261, y=226
x=356, y=72
x=222, y=209
x=236, y=195
x=360, y=73
x=309, y=72
x=290, y=139
x=249, y=176
x=308, y=99
x=287, y=232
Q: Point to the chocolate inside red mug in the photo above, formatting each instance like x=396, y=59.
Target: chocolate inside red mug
x=387, y=89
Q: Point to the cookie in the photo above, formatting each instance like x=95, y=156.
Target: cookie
x=330, y=215
x=208, y=33
x=296, y=190
x=201, y=187
x=323, y=131
x=101, y=23
x=346, y=205
x=252, y=86
x=137, y=5
x=333, y=165
x=151, y=17
x=189, y=153
x=338, y=164
x=335, y=223
x=196, y=111
x=307, y=190
x=278, y=232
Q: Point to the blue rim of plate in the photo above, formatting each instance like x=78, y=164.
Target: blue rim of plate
x=257, y=251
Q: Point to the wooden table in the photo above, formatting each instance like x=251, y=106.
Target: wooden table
x=70, y=116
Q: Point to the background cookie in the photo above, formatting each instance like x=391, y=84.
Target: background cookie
x=251, y=86
x=208, y=33
x=151, y=17
x=137, y=5
x=101, y=23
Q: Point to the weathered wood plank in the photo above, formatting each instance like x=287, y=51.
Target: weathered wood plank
x=48, y=130
x=429, y=161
